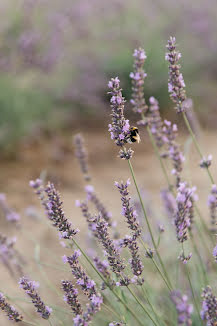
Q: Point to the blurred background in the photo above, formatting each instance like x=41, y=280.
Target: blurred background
x=56, y=57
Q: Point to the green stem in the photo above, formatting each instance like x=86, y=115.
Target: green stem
x=157, y=267
x=144, y=290
x=141, y=305
x=199, y=258
x=197, y=146
x=108, y=285
x=148, y=224
x=191, y=286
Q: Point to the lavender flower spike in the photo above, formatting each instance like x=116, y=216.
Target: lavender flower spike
x=52, y=203
x=81, y=154
x=209, y=307
x=176, y=84
x=183, y=308
x=138, y=76
x=31, y=290
x=127, y=210
x=215, y=253
x=155, y=122
x=9, y=310
x=182, y=214
x=71, y=297
x=212, y=203
x=10, y=214
x=111, y=250
x=92, y=308
x=88, y=286
x=120, y=127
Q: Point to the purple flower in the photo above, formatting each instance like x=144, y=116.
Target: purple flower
x=209, y=307
x=138, y=76
x=135, y=261
x=9, y=213
x=81, y=154
x=155, y=122
x=87, y=285
x=212, y=203
x=183, y=214
x=91, y=196
x=169, y=203
x=71, y=297
x=183, y=308
x=127, y=210
x=30, y=288
x=215, y=253
x=176, y=84
x=9, y=310
x=206, y=162
x=119, y=128
x=52, y=203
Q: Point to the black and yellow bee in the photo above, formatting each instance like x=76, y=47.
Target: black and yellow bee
x=134, y=135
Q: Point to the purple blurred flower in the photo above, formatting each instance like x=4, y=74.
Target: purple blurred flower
x=81, y=154
x=10, y=214
x=138, y=76
x=183, y=308
x=212, y=203
x=176, y=84
x=206, y=162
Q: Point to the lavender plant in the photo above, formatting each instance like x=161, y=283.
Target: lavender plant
x=118, y=285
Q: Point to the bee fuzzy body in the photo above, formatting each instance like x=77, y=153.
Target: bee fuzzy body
x=134, y=135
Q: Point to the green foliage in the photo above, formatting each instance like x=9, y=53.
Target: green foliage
x=21, y=110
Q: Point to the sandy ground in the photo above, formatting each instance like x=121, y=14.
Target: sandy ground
x=56, y=158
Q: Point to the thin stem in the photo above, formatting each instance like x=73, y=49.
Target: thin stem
x=191, y=286
x=144, y=290
x=104, y=280
x=147, y=222
x=199, y=258
x=197, y=146
x=141, y=305
x=157, y=267
x=29, y=323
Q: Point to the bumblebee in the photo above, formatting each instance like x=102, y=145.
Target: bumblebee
x=134, y=135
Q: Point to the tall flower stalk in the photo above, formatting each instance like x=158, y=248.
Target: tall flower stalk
x=176, y=87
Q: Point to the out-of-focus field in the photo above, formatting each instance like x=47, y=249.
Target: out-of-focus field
x=57, y=159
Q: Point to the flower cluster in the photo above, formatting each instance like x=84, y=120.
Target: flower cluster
x=102, y=267
x=92, y=308
x=119, y=128
x=183, y=308
x=127, y=210
x=169, y=202
x=71, y=297
x=108, y=244
x=10, y=311
x=88, y=286
x=9, y=213
x=155, y=122
x=169, y=137
x=209, y=307
x=176, y=84
x=212, y=203
x=215, y=253
x=53, y=206
x=182, y=214
x=206, y=162
x=81, y=154
x=91, y=196
x=30, y=287
x=183, y=258
x=135, y=261
x=138, y=76
x=9, y=256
